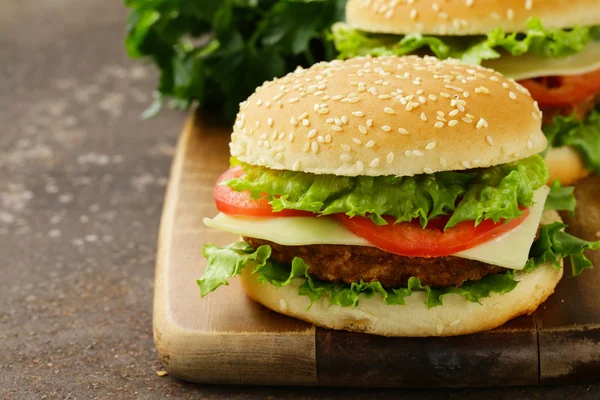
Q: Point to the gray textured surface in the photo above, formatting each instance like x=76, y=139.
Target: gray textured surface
x=80, y=199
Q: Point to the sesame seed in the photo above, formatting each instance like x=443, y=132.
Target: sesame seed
x=344, y=119
x=370, y=144
x=296, y=165
x=418, y=153
x=386, y=128
x=291, y=137
x=270, y=122
x=338, y=121
x=259, y=102
x=306, y=147
x=505, y=85
x=345, y=158
x=528, y=4
x=305, y=122
x=443, y=162
x=293, y=100
x=389, y=110
x=453, y=113
x=432, y=97
x=445, y=95
x=358, y=114
x=408, y=154
x=469, y=2
x=439, y=124
x=510, y=13
x=374, y=163
x=336, y=128
x=466, y=164
x=512, y=95
x=304, y=115
x=357, y=141
x=428, y=170
x=390, y=158
x=482, y=123
x=452, y=122
x=369, y=123
x=430, y=145
x=490, y=140
x=359, y=166
x=329, y=121
x=362, y=129
x=294, y=121
x=402, y=131
x=413, y=14
x=535, y=115
x=529, y=144
x=384, y=96
x=323, y=110
x=423, y=116
x=494, y=78
x=312, y=133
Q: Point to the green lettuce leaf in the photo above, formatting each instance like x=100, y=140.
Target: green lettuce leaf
x=497, y=192
x=489, y=193
x=554, y=244
x=584, y=136
x=561, y=198
x=555, y=43
x=226, y=262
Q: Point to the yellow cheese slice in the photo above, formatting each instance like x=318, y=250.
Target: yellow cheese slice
x=509, y=251
x=532, y=66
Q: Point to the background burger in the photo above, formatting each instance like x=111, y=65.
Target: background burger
x=398, y=196
x=552, y=47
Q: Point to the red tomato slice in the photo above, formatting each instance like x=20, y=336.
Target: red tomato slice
x=410, y=239
x=230, y=202
x=563, y=91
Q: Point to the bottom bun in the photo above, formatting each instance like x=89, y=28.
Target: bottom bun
x=457, y=316
x=566, y=165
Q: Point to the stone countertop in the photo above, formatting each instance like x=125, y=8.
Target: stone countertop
x=82, y=186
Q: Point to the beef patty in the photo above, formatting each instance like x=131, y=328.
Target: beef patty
x=338, y=263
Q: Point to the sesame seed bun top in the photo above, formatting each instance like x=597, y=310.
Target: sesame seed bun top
x=467, y=17
x=387, y=116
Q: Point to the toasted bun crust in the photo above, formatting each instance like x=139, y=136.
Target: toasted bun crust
x=467, y=17
x=387, y=116
x=566, y=165
x=457, y=316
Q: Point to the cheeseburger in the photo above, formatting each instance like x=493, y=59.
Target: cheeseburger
x=552, y=47
x=399, y=196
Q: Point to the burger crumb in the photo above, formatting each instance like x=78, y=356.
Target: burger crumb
x=283, y=304
x=161, y=373
x=440, y=327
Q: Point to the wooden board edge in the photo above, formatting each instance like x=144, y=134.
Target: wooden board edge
x=213, y=357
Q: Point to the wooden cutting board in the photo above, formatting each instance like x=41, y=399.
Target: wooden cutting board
x=227, y=338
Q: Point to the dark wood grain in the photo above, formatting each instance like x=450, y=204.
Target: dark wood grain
x=506, y=356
